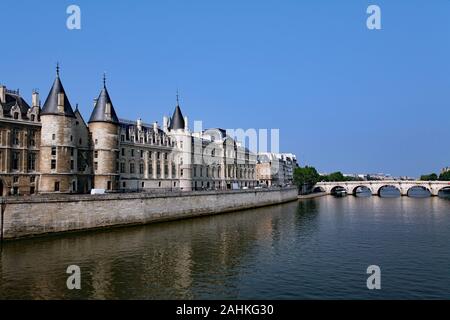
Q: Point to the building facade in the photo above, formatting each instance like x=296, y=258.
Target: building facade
x=276, y=169
x=51, y=149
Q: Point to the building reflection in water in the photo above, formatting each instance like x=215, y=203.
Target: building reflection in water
x=167, y=260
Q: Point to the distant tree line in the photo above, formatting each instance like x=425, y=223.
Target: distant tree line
x=444, y=176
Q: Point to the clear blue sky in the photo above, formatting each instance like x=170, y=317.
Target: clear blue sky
x=345, y=98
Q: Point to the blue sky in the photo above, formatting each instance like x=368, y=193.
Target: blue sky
x=345, y=98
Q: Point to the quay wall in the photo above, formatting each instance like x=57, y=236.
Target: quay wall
x=41, y=215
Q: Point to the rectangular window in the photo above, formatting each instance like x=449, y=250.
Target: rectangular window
x=71, y=164
x=16, y=136
x=123, y=152
x=132, y=152
x=95, y=154
x=53, y=164
x=56, y=186
x=32, y=138
x=53, y=136
x=53, y=151
x=31, y=161
x=122, y=167
x=71, y=152
x=122, y=138
x=96, y=165
x=142, y=153
x=141, y=168
x=15, y=160
x=131, y=168
x=150, y=169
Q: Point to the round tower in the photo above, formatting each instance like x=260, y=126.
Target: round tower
x=58, y=148
x=104, y=128
x=179, y=131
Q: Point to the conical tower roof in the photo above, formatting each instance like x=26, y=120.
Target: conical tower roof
x=104, y=109
x=51, y=103
x=177, y=120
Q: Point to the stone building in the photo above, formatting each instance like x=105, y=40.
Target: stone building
x=51, y=149
x=276, y=169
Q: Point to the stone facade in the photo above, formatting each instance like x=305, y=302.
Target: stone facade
x=51, y=149
x=276, y=169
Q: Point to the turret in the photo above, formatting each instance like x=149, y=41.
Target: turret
x=104, y=127
x=58, y=147
x=178, y=131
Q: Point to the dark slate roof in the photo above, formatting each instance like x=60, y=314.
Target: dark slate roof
x=99, y=112
x=51, y=104
x=13, y=99
x=177, y=120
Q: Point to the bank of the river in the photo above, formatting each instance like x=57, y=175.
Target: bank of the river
x=36, y=216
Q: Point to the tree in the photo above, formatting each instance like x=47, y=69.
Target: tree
x=429, y=177
x=305, y=178
x=445, y=176
x=335, y=177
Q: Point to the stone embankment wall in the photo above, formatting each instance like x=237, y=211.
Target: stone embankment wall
x=33, y=216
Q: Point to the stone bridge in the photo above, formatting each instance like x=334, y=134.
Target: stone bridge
x=375, y=187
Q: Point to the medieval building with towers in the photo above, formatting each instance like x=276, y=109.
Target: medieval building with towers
x=51, y=149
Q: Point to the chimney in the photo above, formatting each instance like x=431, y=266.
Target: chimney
x=35, y=99
x=165, y=124
x=2, y=94
x=95, y=102
x=155, y=126
x=186, y=124
x=139, y=124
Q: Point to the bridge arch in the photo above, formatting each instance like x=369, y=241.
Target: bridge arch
x=412, y=189
x=338, y=187
x=389, y=186
x=319, y=189
x=362, y=186
x=444, y=192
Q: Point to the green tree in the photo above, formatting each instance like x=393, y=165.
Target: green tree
x=445, y=176
x=429, y=177
x=305, y=178
x=334, y=177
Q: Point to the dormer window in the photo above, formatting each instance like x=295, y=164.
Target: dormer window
x=61, y=102
x=16, y=115
x=32, y=117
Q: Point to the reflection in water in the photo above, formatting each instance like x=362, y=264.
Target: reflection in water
x=316, y=248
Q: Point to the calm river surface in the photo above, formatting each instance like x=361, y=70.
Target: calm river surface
x=314, y=249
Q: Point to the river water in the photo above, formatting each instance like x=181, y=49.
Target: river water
x=312, y=249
